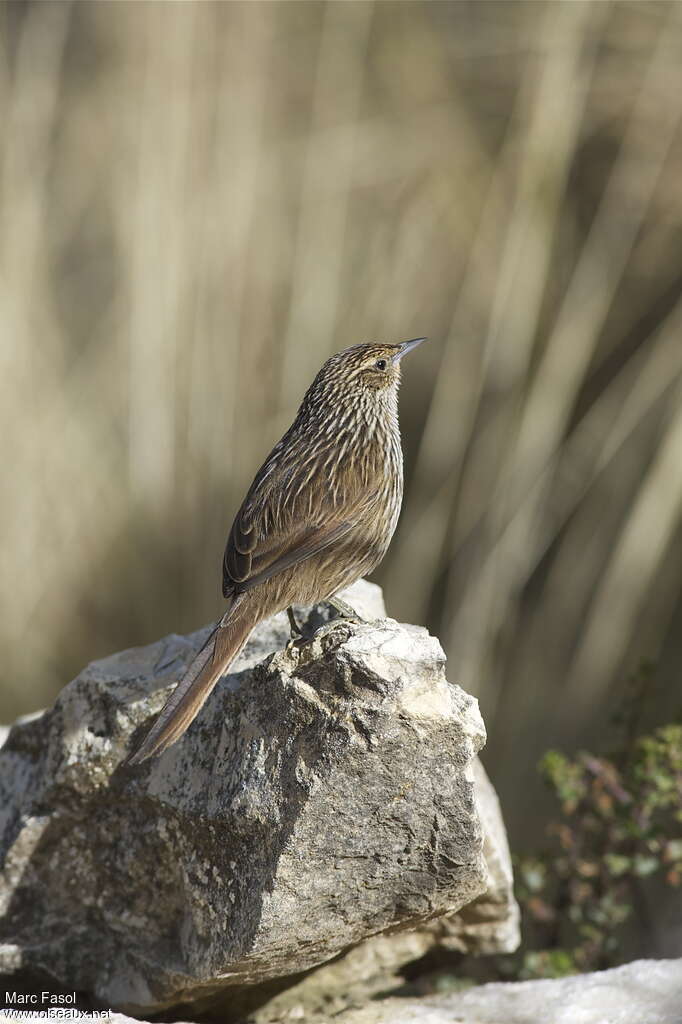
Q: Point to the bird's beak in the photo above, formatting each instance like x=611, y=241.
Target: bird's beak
x=406, y=347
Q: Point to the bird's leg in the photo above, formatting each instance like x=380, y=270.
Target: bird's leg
x=344, y=609
x=298, y=636
x=296, y=631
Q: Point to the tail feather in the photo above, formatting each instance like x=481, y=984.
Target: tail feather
x=221, y=648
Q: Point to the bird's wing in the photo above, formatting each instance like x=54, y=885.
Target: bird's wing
x=286, y=518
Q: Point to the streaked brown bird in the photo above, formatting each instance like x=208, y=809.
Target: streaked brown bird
x=319, y=514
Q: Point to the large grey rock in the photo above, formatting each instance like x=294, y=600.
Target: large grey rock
x=324, y=795
x=642, y=992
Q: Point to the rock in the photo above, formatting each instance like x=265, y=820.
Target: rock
x=642, y=992
x=369, y=969
x=324, y=795
x=489, y=924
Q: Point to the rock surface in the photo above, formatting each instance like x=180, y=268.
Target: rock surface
x=642, y=992
x=489, y=924
x=324, y=795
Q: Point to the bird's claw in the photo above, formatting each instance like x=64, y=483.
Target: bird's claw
x=344, y=609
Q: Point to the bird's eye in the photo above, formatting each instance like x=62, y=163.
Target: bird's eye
x=381, y=364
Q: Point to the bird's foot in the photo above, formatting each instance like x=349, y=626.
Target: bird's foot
x=298, y=635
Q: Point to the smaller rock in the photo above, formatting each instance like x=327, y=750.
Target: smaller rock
x=642, y=992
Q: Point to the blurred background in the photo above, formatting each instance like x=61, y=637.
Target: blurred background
x=200, y=202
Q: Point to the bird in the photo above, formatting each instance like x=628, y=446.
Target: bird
x=320, y=513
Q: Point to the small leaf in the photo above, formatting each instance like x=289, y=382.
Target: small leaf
x=644, y=866
x=541, y=910
x=617, y=864
x=673, y=849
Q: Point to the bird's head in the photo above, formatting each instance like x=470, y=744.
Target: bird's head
x=363, y=372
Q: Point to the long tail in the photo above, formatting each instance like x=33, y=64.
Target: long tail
x=222, y=647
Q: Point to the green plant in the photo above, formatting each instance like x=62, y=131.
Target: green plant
x=620, y=822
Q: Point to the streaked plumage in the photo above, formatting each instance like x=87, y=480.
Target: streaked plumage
x=319, y=514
